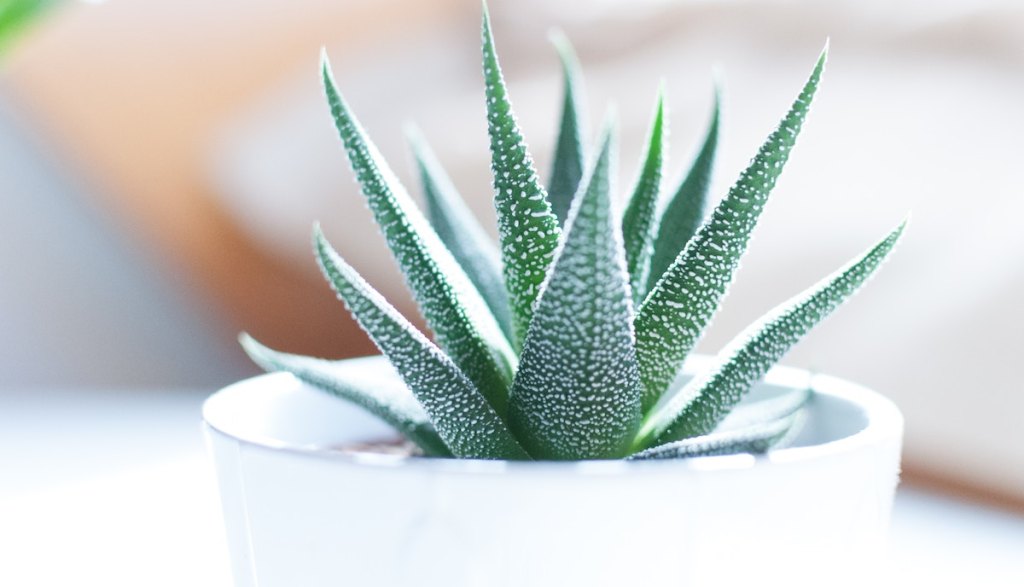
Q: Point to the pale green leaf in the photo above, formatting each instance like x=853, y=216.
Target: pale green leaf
x=570, y=148
x=748, y=414
x=461, y=232
x=577, y=392
x=687, y=207
x=451, y=305
x=675, y=313
x=638, y=219
x=755, y=439
x=699, y=407
x=383, y=397
x=462, y=416
x=527, y=228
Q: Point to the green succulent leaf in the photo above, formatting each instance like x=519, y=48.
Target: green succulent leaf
x=687, y=208
x=748, y=414
x=577, y=392
x=754, y=439
x=638, y=220
x=675, y=313
x=461, y=232
x=451, y=305
x=385, y=398
x=699, y=407
x=527, y=227
x=570, y=155
x=465, y=420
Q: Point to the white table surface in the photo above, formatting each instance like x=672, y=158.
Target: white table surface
x=114, y=489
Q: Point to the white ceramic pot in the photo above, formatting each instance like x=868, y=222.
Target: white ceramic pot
x=299, y=514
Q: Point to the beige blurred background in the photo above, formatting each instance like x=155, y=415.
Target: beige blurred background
x=165, y=160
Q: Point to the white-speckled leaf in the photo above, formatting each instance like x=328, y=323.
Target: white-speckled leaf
x=686, y=209
x=577, y=392
x=675, y=313
x=461, y=232
x=703, y=403
x=638, y=227
x=570, y=147
x=527, y=227
x=755, y=439
x=462, y=416
x=385, y=398
x=450, y=303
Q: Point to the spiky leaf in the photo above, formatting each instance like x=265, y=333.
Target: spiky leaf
x=774, y=408
x=755, y=439
x=699, y=407
x=450, y=304
x=462, y=416
x=570, y=154
x=638, y=220
x=383, y=397
x=461, y=232
x=577, y=392
x=527, y=228
x=676, y=312
x=687, y=207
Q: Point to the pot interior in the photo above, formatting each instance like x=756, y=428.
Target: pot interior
x=276, y=410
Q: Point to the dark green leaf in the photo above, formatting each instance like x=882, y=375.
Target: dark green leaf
x=570, y=155
x=527, y=228
x=699, y=407
x=685, y=211
x=675, y=313
x=383, y=397
x=577, y=392
x=638, y=220
x=451, y=305
x=461, y=232
x=462, y=416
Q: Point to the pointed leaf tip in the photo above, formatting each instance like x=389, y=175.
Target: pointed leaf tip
x=462, y=416
x=382, y=395
x=570, y=146
x=682, y=302
x=706, y=400
x=686, y=207
x=638, y=222
x=577, y=392
x=449, y=302
x=528, y=230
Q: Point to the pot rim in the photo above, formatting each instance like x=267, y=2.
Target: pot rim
x=884, y=422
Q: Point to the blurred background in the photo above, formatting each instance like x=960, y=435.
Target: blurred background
x=162, y=162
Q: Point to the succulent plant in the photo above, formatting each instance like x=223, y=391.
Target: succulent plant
x=565, y=340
